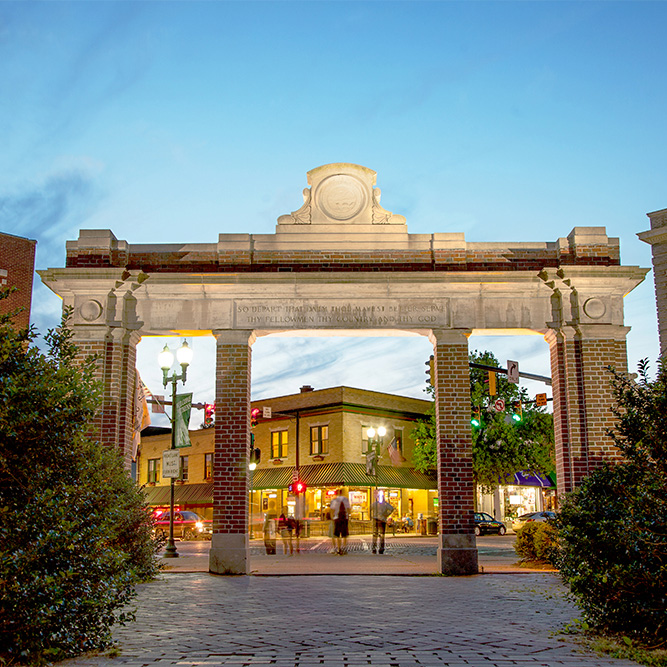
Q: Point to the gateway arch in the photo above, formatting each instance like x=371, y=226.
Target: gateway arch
x=342, y=263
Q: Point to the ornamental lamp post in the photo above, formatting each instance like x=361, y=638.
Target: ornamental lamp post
x=166, y=359
x=374, y=453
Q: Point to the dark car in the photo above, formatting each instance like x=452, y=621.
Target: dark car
x=485, y=523
x=187, y=526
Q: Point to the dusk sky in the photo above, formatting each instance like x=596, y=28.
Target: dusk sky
x=171, y=122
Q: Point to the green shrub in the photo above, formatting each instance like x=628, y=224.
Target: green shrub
x=75, y=533
x=536, y=542
x=613, y=528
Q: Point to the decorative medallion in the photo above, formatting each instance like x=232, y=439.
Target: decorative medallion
x=341, y=197
x=594, y=308
x=90, y=310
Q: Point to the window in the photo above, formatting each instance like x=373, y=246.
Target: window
x=398, y=436
x=184, y=468
x=319, y=440
x=208, y=465
x=153, y=470
x=278, y=444
x=364, y=439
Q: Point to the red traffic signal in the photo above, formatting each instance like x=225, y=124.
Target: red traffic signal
x=254, y=416
x=209, y=412
x=297, y=487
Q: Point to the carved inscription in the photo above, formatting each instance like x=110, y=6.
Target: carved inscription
x=293, y=313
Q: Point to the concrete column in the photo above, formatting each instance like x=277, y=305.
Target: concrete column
x=229, y=544
x=457, y=552
x=116, y=348
x=583, y=397
x=656, y=237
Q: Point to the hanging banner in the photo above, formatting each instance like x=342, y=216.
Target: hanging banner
x=182, y=406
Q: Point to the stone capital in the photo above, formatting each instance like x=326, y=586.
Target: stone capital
x=234, y=336
x=449, y=336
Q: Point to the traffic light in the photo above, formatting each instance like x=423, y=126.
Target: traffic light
x=492, y=383
x=517, y=411
x=476, y=419
x=431, y=370
x=297, y=487
x=255, y=455
x=209, y=412
x=254, y=416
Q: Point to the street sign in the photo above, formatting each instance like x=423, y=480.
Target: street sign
x=499, y=405
x=171, y=463
x=513, y=371
x=540, y=400
x=266, y=413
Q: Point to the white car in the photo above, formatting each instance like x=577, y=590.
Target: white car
x=521, y=521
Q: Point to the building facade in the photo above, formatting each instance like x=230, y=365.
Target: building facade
x=322, y=438
x=17, y=269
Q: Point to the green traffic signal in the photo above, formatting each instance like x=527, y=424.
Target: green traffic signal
x=476, y=419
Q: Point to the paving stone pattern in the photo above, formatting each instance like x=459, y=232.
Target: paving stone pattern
x=202, y=620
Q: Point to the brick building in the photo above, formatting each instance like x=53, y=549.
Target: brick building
x=17, y=268
x=331, y=426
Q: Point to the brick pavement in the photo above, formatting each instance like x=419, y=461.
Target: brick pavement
x=491, y=620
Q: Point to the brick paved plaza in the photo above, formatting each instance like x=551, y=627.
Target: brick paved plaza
x=492, y=620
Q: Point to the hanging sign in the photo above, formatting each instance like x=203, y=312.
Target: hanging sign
x=182, y=407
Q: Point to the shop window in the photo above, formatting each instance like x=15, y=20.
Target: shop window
x=153, y=470
x=278, y=444
x=319, y=440
x=208, y=465
x=184, y=469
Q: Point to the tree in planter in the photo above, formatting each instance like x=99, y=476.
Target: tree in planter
x=75, y=535
x=613, y=528
x=500, y=446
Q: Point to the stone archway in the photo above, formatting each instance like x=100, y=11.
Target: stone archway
x=342, y=262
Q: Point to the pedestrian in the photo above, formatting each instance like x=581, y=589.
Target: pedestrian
x=286, y=528
x=340, y=514
x=270, y=533
x=330, y=528
x=381, y=510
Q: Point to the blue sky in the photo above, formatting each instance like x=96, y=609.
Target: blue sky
x=177, y=121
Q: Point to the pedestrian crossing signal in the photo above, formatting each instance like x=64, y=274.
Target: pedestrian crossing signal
x=297, y=487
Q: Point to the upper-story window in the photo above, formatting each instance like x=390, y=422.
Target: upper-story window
x=184, y=469
x=208, y=465
x=319, y=440
x=153, y=470
x=278, y=444
x=398, y=436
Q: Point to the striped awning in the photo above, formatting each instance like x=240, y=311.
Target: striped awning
x=184, y=494
x=343, y=474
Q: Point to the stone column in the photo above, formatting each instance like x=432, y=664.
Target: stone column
x=457, y=551
x=229, y=545
x=116, y=348
x=583, y=397
x=657, y=238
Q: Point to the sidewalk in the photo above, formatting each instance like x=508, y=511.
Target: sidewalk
x=203, y=620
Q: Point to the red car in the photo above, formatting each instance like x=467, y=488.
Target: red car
x=187, y=526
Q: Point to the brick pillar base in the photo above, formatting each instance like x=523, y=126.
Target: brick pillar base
x=229, y=544
x=457, y=552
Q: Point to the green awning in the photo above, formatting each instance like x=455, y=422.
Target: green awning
x=190, y=494
x=343, y=474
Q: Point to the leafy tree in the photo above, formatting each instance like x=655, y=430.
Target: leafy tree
x=613, y=528
x=500, y=445
x=75, y=535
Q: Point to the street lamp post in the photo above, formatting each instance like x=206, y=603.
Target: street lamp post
x=374, y=450
x=166, y=359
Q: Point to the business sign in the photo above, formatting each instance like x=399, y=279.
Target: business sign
x=171, y=463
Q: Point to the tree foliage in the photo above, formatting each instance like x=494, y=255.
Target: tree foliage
x=500, y=446
x=75, y=534
x=613, y=528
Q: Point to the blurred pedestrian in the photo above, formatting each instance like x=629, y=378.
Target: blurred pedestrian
x=286, y=528
x=340, y=514
x=381, y=510
x=270, y=533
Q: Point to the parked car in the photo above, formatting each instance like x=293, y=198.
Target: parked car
x=485, y=523
x=521, y=521
x=187, y=526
